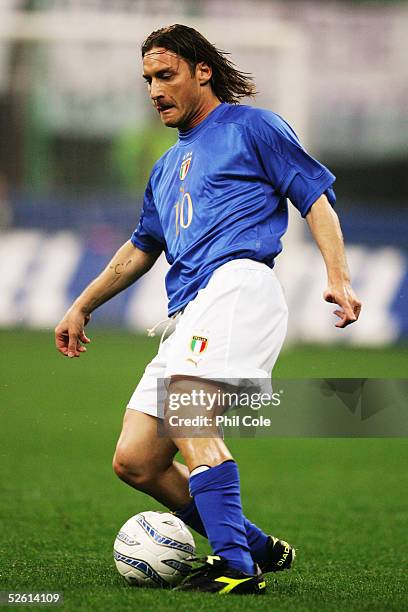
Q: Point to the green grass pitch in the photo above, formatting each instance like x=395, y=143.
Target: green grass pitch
x=342, y=502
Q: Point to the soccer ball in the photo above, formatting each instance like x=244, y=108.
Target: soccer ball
x=151, y=550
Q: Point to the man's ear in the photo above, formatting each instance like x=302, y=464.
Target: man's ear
x=204, y=73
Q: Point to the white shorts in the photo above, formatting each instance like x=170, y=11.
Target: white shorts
x=232, y=331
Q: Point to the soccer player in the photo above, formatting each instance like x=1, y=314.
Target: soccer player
x=216, y=205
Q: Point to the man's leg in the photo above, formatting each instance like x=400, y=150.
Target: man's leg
x=214, y=479
x=145, y=461
x=214, y=485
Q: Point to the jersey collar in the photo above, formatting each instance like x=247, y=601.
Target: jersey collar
x=190, y=135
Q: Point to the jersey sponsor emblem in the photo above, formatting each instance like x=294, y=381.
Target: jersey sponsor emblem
x=185, y=165
x=198, y=344
x=194, y=361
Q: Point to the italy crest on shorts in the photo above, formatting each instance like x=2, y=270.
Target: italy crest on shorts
x=185, y=165
x=198, y=344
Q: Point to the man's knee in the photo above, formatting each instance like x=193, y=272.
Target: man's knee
x=140, y=471
x=131, y=468
x=140, y=455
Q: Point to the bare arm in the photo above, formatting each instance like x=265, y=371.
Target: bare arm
x=325, y=227
x=127, y=265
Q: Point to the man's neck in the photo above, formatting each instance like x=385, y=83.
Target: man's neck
x=201, y=114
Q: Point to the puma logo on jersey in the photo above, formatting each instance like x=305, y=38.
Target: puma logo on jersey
x=195, y=361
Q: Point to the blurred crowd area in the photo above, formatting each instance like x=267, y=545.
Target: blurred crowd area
x=79, y=136
x=75, y=117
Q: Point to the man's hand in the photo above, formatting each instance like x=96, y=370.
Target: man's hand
x=70, y=335
x=344, y=296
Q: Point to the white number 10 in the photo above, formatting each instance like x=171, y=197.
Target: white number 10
x=180, y=213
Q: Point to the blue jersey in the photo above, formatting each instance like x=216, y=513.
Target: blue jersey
x=220, y=193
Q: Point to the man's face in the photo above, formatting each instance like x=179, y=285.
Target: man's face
x=175, y=92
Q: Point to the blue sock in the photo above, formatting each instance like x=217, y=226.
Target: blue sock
x=217, y=497
x=189, y=515
x=257, y=539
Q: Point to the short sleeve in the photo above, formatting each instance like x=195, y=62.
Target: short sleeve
x=148, y=235
x=289, y=168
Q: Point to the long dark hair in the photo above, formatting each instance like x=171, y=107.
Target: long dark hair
x=228, y=83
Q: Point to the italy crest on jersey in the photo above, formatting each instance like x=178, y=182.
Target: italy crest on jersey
x=185, y=165
x=198, y=344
